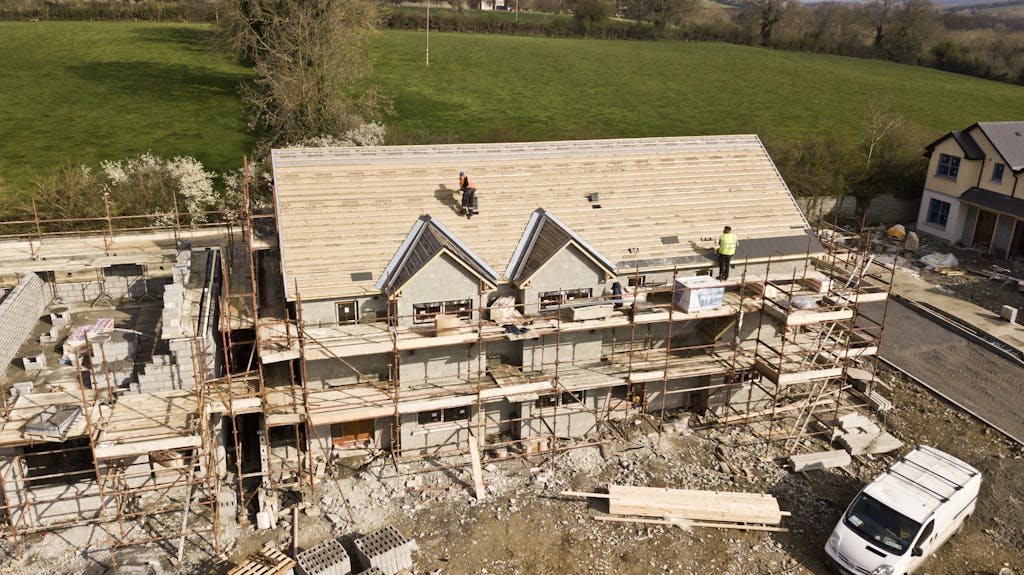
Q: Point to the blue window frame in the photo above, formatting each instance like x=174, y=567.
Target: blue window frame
x=997, y=172
x=938, y=212
x=948, y=165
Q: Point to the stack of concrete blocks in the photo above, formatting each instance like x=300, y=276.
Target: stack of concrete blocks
x=385, y=549
x=21, y=388
x=116, y=350
x=227, y=503
x=34, y=362
x=327, y=558
x=371, y=571
x=19, y=314
x=176, y=370
x=50, y=336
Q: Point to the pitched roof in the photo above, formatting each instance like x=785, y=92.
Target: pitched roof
x=1008, y=139
x=344, y=212
x=426, y=240
x=972, y=151
x=544, y=237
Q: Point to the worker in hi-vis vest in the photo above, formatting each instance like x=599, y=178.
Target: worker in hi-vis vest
x=726, y=244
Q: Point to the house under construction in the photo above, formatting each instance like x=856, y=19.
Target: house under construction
x=160, y=382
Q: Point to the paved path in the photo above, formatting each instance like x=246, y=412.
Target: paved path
x=970, y=374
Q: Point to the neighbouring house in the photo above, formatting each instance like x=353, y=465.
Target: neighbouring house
x=973, y=192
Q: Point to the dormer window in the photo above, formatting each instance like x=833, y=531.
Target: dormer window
x=997, y=172
x=949, y=166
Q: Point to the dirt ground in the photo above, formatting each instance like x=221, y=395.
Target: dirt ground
x=974, y=287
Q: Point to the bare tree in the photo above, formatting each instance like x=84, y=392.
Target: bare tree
x=309, y=56
x=900, y=27
x=764, y=15
x=662, y=13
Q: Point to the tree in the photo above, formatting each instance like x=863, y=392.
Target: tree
x=662, y=13
x=900, y=27
x=591, y=13
x=764, y=15
x=310, y=60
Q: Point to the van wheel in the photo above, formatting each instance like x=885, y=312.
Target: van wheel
x=963, y=524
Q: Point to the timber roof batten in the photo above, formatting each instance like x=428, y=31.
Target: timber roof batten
x=347, y=210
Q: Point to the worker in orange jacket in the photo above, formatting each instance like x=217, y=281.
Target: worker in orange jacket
x=468, y=194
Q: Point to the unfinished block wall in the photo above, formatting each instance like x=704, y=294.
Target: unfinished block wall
x=118, y=282
x=19, y=313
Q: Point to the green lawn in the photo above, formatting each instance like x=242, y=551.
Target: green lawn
x=481, y=87
x=91, y=91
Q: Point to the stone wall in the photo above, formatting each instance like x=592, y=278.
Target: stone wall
x=19, y=313
x=882, y=209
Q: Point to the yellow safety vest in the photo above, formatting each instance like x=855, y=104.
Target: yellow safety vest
x=727, y=244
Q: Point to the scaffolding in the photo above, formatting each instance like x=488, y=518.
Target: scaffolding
x=136, y=468
x=263, y=434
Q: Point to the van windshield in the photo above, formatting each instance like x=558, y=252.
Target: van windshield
x=881, y=525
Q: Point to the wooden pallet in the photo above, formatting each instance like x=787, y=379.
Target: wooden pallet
x=267, y=561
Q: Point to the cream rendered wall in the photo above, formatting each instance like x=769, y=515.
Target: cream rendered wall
x=966, y=178
x=992, y=158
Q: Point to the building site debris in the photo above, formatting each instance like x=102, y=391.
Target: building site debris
x=820, y=460
x=269, y=560
x=940, y=261
x=706, y=508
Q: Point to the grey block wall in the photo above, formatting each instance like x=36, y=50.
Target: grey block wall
x=435, y=437
x=19, y=314
x=569, y=269
x=443, y=279
x=117, y=287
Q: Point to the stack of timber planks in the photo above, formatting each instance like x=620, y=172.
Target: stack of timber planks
x=691, y=508
x=861, y=436
x=820, y=460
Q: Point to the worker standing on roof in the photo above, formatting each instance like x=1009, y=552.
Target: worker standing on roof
x=468, y=195
x=726, y=244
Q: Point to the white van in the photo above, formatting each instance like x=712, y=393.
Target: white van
x=903, y=516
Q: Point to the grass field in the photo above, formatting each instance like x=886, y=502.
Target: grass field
x=91, y=91
x=497, y=87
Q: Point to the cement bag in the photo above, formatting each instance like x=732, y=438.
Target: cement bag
x=938, y=260
x=896, y=232
x=913, y=242
x=804, y=302
x=503, y=310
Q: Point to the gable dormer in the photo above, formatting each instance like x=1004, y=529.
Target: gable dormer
x=553, y=264
x=434, y=273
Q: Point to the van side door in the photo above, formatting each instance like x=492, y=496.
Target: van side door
x=923, y=547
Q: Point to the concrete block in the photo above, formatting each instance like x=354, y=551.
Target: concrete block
x=327, y=558
x=385, y=549
x=61, y=316
x=34, y=363
x=1009, y=313
x=21, y=388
